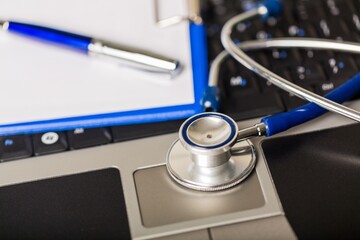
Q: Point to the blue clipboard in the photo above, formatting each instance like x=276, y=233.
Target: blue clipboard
x=200, y=76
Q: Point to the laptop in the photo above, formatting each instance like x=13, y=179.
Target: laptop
x=112, y=182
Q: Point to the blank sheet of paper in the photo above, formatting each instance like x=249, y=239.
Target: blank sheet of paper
x=39, y=81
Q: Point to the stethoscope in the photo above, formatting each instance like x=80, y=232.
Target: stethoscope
x=211, y=153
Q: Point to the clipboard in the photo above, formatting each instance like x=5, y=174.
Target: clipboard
x=197, y=66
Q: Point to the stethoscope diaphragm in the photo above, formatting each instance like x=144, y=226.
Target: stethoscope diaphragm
x=207, y=156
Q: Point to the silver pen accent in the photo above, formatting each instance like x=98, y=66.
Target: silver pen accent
x=134, y=57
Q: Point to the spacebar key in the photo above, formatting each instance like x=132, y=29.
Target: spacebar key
x=259, y=104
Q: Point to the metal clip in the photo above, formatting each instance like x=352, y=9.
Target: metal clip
x=193, y=14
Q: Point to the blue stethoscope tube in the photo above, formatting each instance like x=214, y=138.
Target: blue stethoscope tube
x=284, y=121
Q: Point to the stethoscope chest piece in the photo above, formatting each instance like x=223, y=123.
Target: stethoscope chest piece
x=207, y=156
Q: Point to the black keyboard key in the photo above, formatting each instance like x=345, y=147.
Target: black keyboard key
x=357, y=60
x=340, y=69
x=270, y=30
x=15, y=147
x=354, y=24
x=334, y=29
x=215, y=47
x=291, y=101
x=345, y=11
x=301, y=30
x=309, y=10
x=307, y=74
x=326, y=87
x=337, y=8
x=284, y=73
x=283, y=57
x=257, y=105
x=323, y=28
x=247, y=30
x=81, y=138
x=129, y=132
x=49, y=142
x=230, y=67
x=223, y=10
x=317, y=55
x=356, y=5
x=241, y=84
x=241, y=32
x=236, y=79
x=260, y=57
x=265, y=85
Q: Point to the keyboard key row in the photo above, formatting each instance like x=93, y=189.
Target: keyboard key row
x=23, y=146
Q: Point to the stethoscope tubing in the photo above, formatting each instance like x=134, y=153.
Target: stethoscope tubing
x=305, y=43
x=278, y=81
x=283, y=121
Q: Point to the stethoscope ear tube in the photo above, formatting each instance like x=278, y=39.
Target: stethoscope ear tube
x=283, y=121
x=276, y=80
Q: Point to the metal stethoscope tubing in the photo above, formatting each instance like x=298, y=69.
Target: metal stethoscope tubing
x=278, y=81
x=306, y=43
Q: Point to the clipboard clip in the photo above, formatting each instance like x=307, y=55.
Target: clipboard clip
x=193, y=14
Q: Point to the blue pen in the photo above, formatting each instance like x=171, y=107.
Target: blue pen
x=130, y=56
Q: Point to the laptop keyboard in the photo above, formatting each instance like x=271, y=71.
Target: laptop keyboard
x=244, y=95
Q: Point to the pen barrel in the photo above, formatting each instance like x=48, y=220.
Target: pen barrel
x=137, y=58
x=76, y=41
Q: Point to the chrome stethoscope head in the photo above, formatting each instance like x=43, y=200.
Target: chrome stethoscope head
x=208, y=156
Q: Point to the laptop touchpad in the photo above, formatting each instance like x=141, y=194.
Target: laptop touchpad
x=85, y=205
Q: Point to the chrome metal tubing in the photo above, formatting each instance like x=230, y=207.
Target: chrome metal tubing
x=311, y=43
x=278, y=81
x=135, y=57
x=215, y=67
x=255, y=131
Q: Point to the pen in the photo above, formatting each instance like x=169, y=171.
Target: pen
x=133, y=57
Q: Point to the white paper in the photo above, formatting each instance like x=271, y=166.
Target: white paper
x=40, y=81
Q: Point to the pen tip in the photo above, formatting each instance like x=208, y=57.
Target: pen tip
x=178, y=68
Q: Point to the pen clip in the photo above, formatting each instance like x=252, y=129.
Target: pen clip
x=193, y=14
